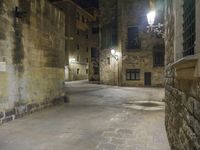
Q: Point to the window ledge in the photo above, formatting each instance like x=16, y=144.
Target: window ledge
x=186, y=62
x=158, y=66
x=185, y=67
x=134, y=50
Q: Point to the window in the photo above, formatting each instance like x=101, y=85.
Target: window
x=188, y=27
x=94, y=52
x=87, y=60
x=78, y=47
x=86, y=71
x=87, y=49
x=158, y=59
x=108, y=60
x=95, y=30
x=133, y=38
x=78, y=58
x=109, y=34
x=83, y=19
x=114, y=39
x=96, y=70
x=77, y=16
x=77, y=32
x=78, y=71
x=133, y=74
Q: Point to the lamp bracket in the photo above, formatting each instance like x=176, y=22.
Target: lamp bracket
x=19, y=13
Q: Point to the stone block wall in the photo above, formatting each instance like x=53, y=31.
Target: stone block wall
x=33, y=49
x=109, y=67
x=79, y=40
x=182, y=115
x=121, y=15
x=139, y=58
x=182, y=94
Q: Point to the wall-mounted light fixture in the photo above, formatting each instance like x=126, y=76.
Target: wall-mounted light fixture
x=151, y=17
x=72, y=60
x=157, y=29
x=114, y=54
x=19, y=13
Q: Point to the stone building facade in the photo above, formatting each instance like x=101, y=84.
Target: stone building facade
x=31, y=56
x=182, y=73
x=139, y=57
x=94, y=53
x=80, y=41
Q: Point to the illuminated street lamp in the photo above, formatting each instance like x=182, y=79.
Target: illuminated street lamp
x=157, y=29
x=72, y=60
x=151, y=17
x=114, y=54
x=113, y=51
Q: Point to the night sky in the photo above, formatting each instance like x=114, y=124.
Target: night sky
x=88, y=3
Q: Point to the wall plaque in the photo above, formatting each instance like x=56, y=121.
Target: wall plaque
x=2, y=66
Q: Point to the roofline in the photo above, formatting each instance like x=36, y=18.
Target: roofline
x=77, y=6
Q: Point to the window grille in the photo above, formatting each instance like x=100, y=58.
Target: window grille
x=189, y=27
x=133, y=74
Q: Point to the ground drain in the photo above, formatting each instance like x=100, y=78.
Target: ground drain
x=145, y=105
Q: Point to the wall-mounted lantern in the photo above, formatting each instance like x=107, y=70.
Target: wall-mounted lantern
x=72, y=60
x=114, y=54
x=157, y=29
x=151, y=17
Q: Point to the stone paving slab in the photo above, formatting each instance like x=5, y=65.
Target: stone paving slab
x=95, y=119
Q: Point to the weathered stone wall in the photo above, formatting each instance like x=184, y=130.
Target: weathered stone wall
x=33, y=49
x=124, y=14
x=79, y=41
x=143, y=58
x=182, y=94
x=109, y=72
x=94, y=43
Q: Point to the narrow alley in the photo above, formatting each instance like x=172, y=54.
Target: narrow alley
x=98, y=117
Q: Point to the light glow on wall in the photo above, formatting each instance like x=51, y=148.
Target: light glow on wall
x=114, y=54
x=72, y=60
x=113, y=51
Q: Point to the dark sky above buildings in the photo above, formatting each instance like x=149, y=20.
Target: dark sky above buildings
x=87, y=3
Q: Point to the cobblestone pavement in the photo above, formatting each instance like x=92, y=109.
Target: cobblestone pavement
x=95, y=119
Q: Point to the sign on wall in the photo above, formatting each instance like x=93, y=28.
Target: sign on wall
x=2, y=66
